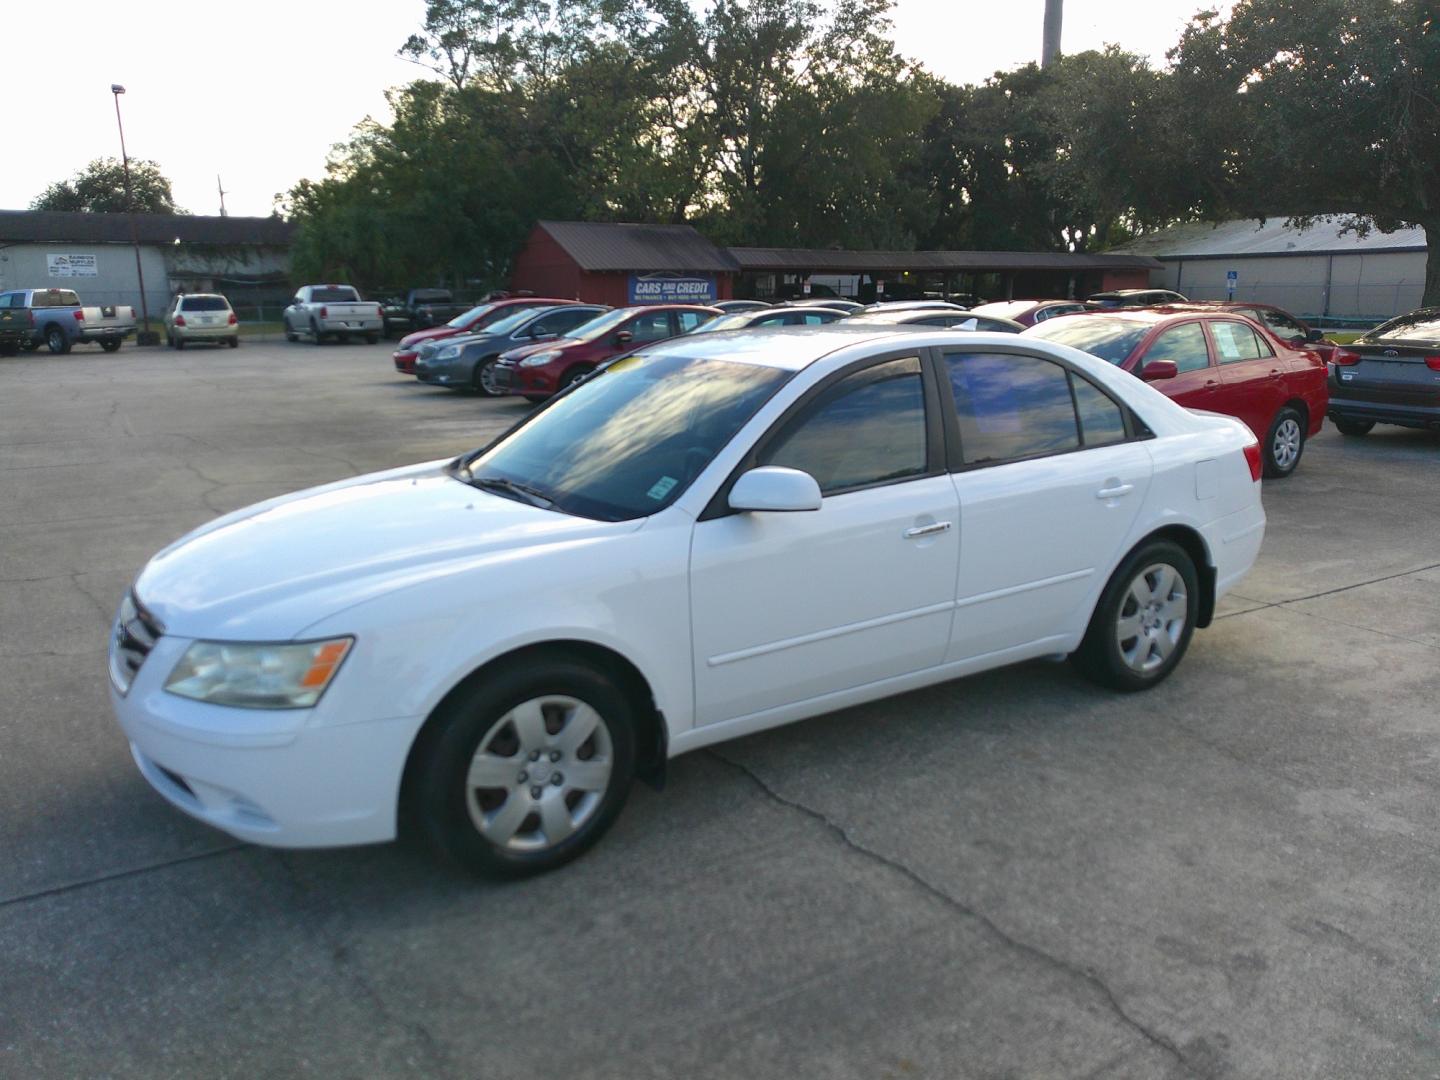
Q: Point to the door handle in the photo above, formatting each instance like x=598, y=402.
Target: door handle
x=1114, y=492
x=927, y=530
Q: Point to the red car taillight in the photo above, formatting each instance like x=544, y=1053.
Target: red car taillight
x=232, y=320
x=1344, y=357
x=179, y=320
x=1433, y=363
x=324, y=313
x=79, y=316
x=1252, y=458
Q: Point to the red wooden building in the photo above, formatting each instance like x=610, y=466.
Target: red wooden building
x=618, y=264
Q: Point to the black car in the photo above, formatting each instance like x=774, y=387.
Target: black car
x=1390, y=375
x=1123, y=298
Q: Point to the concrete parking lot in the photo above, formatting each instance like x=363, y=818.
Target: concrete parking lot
x=1015, y=875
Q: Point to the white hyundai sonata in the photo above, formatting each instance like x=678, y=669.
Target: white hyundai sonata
x=718, y=535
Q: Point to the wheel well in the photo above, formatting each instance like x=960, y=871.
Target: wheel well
x=651, y=738
x=1300, y=407
x=1194, y=545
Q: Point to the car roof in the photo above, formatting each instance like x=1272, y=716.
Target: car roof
x=792, y=348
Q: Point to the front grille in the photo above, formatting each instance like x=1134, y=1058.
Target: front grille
x=136, y=632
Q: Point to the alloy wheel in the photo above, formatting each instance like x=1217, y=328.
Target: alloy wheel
x=1285, y=447
x=1152, y=618
x=539, y=773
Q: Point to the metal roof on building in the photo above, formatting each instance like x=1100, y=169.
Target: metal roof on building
x=857, y=262
x=68, y=227
x=609, y=246
x=1228, y=239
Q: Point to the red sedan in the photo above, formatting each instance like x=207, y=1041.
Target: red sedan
x=476, y=319
x=1030, y=312
x=537, y=371
x=1217, y=361
x=1290, y=329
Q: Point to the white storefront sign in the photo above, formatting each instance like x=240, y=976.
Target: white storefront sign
x=71, y=265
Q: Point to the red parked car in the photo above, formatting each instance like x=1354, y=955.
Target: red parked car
x=477, y=318
x=537, y=371
x=1217, y=361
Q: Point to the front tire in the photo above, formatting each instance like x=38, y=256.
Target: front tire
x=1284, y=443
x=525, y=770
x=1354, y=428
x=483, y=380
x=1144, y=620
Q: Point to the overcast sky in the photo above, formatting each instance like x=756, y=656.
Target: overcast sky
x=259, y=92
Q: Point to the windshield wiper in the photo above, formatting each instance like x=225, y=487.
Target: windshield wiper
x=509, y=488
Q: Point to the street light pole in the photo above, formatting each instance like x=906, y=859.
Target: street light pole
x=142, y=338
x=1050, y=43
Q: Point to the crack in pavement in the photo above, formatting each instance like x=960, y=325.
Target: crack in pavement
x=1089, y=978
x=1266, y=606
x=118, y=875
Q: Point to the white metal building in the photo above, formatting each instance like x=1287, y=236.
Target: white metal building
x=1318, y=273
x=244, y=257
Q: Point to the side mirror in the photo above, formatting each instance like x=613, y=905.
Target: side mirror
x=623, y=337
x=1314, y=335
x=1157, y=370
x=774, y=488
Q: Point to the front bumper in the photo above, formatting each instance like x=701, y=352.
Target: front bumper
x=459, y=372
x=282, y=778
x=404, y=362
x=515, y=379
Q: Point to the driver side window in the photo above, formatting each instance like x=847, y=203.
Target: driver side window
x=866, y=429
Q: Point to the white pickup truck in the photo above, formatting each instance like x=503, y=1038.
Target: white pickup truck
x=332, y=310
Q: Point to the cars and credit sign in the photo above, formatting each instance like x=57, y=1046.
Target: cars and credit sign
x=672, y=289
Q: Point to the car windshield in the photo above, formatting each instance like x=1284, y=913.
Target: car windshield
x=1417, y=326
x=204, y=303
x=600, y=325
x=507, y=323
x=1111, y=340
x=462, y=321
x=334, y=295
x=627, y=442
x=738, y=321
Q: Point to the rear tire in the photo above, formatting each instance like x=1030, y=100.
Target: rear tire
x=1353, y=428
x=235, y=342
x=1284, y=443
x=526, y=769
x=56, y=341
x=179, y=342
x=315, y=330
x=290, y=335
x=110, y=346
x=1144, y=620
x=371, y=339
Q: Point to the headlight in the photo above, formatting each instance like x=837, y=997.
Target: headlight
x=450, y=352
x=291, y=676
x=540, y=358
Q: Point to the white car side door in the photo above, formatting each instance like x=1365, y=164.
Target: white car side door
x=1053, y=473
x=788, y=607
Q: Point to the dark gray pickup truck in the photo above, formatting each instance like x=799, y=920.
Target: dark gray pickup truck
x=420, y=309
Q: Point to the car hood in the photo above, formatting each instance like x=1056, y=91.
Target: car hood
x=419, y=337
x=268, y=571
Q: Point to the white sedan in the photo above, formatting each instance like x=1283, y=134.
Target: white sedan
x=720, y=534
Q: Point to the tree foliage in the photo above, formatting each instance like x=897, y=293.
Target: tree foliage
x=100, y=188
x=1321, y=107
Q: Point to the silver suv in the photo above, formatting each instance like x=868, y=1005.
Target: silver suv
x=201, y=317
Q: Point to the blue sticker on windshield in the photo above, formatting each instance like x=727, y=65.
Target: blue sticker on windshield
x=662, y=487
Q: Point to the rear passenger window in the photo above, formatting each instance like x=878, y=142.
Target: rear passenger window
x=689, y=320
x=1101, y=419
x=1183, y=344
x=1235, y=342
x=1011, y=406
x=866, y=429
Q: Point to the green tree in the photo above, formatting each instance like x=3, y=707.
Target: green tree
x=100, y=188
x=1323, y=108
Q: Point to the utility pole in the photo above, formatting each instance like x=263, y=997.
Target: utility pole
x=142, y=338
x=1050, y=45
x=220, y=188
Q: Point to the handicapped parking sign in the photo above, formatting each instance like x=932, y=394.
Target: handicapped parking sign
x=1232, y=278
